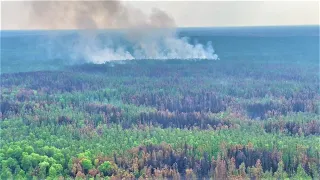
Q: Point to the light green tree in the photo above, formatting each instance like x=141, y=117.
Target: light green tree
x=52, y=172
x=301, y=174
x=280, y=173
x=107, y=168
x=86, y=164
x=26, y=162
x=6, y=173
x=43, y=169
x=21, y=175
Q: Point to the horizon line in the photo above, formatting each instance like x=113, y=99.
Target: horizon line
x=181, y=27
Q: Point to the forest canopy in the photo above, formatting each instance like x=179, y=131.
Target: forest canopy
x=162, y=119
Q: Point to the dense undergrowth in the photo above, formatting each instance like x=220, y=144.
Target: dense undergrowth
x=162, y=119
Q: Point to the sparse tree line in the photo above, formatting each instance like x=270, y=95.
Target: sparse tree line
x=156, y=161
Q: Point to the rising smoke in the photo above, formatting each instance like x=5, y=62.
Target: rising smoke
x=149, y=36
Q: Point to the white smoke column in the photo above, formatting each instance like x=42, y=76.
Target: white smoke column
x=91, y=50
x=168, y=48
x=156, y=47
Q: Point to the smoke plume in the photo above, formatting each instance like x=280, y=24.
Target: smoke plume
x=94, y=15
x=150, y=36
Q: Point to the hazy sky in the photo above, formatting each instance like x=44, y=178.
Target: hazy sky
x=15, y=15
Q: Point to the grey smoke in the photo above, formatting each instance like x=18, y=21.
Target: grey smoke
x=94, y=15
x=153, y=36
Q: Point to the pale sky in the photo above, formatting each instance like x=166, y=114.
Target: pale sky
x=15, y=15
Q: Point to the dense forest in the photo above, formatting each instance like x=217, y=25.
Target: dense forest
x=162, y=120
